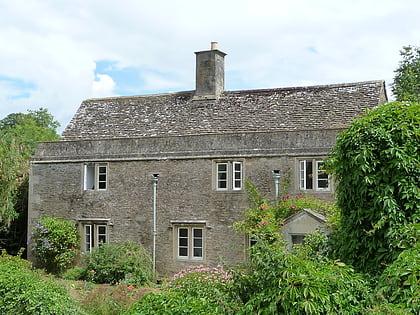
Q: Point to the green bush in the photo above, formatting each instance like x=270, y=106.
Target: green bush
x=400, y=281
x=76, y=273
x=209, y=283
x=55, y=243
x=23, y=291
x=376, y=163
x=126, y=262
x=278, y=282
x=172, y=302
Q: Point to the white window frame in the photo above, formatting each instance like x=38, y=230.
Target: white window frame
x=94, y=232
x=231, y=175
x=314, y=175
x=95, y=176
x=191, y=242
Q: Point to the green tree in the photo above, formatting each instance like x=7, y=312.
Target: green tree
x=406, y=85
x=19, y=134
x=377, y=165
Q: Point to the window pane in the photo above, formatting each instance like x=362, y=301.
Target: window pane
x=237, y=175
x=309, y=175
x=183, y=241
x=222, y=175
x=198, y=232
x=222, y=167
x=198, y=242
x=89, y=177
x=198, y=252
x=88, y=238
x=102, y=229
x=183, y=232
x=322, y=176
x=183, y=252
x=102, y=177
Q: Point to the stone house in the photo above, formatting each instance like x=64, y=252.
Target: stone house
x=168, y=170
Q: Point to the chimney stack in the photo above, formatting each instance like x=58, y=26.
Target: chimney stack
x=209, y=73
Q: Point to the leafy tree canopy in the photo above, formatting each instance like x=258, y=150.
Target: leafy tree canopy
x=377, y=165
x=406, y=85
x=19, y=134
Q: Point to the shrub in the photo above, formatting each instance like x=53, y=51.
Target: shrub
x=209, y=283
x=125, y=262
x=278, y=282
x=76, y=273
x=194, y=290
x=376, y=163
x=400, y=281
x=172, y=302
x=55, y=243
x=23, y=291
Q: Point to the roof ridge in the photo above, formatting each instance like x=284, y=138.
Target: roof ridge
x=360, y=83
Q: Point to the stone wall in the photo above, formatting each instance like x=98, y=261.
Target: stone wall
x=185, y=192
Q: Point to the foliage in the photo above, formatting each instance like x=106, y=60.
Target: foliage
x=23, y=291
x=55, y=243
x=14, y=166
x=406, y=84
x=377, y=165
x=263, y=221
x=18, y=136
x=400, y=281
x=126, y=262
x=278, y=282
x=209, y=283
x=173, y=303
x=75, y=273
x=193, y=290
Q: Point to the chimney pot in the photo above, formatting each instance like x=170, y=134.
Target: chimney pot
x=214, y=45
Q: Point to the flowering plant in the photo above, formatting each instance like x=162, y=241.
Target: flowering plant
x=263, y=220
x=211, y=284
x=55, y=243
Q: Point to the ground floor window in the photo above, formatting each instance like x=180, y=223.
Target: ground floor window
x=190, y=242
x=93, y=235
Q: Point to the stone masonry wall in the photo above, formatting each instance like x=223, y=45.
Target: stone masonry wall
x=185, y=193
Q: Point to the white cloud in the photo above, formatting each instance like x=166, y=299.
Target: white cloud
x=103, y=86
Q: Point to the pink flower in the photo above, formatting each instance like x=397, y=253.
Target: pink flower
x=262, y=207
x=265, y=223
x=293, y=207
x=285, y=197
x=281, y=223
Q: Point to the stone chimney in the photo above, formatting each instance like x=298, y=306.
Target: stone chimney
x=209, y=73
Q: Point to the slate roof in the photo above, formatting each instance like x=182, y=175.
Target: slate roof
x=177, y=114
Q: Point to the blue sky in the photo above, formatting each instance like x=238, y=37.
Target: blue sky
x=56, y=53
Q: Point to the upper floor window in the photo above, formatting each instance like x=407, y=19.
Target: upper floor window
x=95, y=176
x=312, y=175
x=229, y=175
